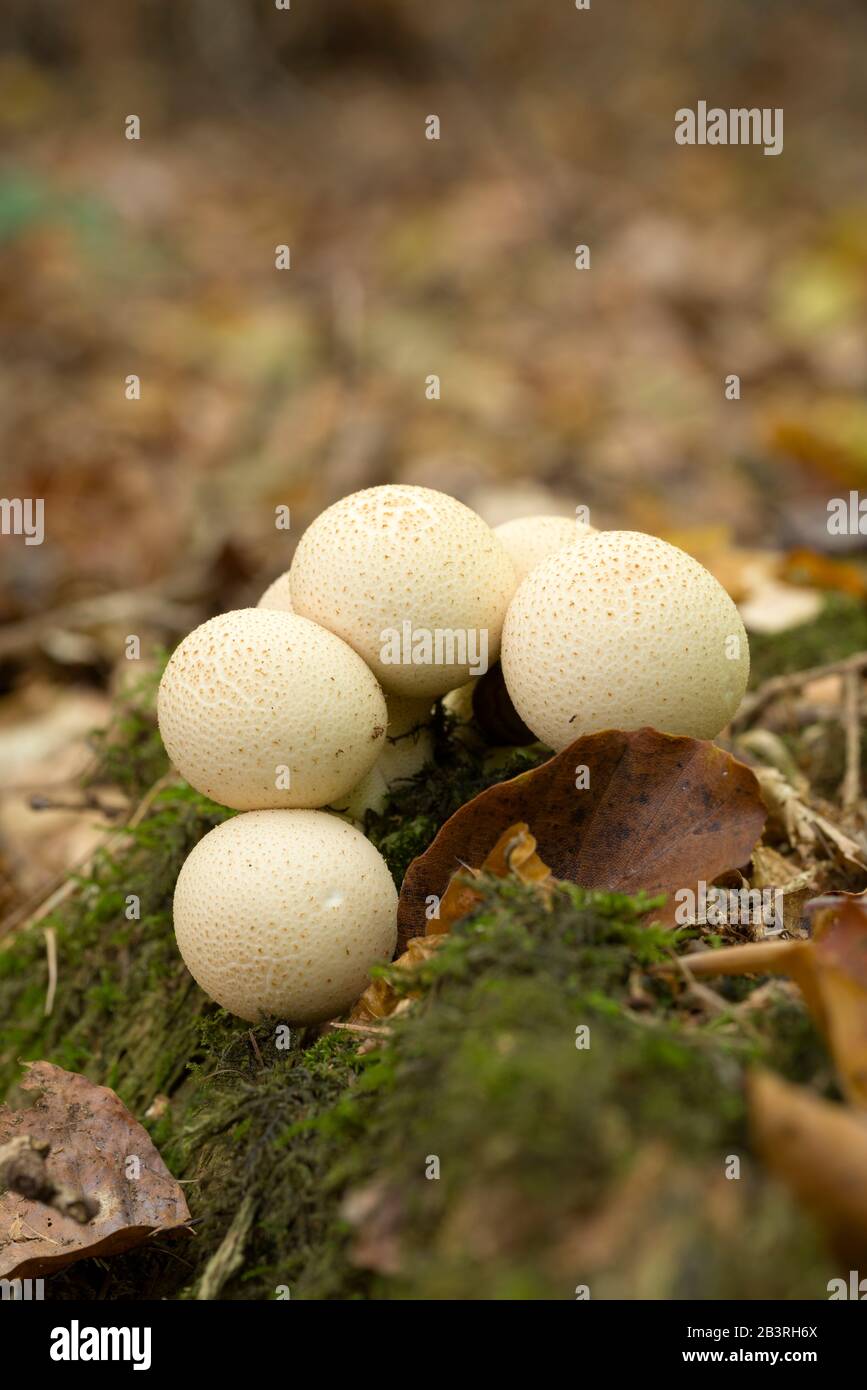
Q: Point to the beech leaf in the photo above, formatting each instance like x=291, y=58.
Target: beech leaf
x=95, y=1146
x=617, y=811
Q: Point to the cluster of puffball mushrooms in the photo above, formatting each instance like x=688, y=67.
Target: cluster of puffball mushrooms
x=298, y=713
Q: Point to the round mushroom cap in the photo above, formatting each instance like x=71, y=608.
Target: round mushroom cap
x=412, y=579
x=259, y=708
x=619, y=631
x=282, y=913
x=531, y=539
x=278, y=595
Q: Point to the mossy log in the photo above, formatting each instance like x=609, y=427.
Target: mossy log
x=547, y=1115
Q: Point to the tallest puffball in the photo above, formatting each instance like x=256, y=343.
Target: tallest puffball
x=391, y=567
x=622, y=630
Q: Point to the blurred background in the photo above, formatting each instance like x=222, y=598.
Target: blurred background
x=410, y=257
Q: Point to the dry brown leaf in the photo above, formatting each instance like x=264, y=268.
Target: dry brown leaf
x=515, y=854
x=803, y=827
x=94, y=1141
x=831, y=972
x=817, y=1149
x=654, y=811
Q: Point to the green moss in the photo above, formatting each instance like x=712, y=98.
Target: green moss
x=484, y=1074
x=418, y=807
x=533, y=1135
x=129, y=751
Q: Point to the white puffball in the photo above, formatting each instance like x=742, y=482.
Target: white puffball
x=277, y=595
x=282, y=913
x=406, y=561
x=619, y=631
x=259, y=708
x=408, y=746
x=528, y=540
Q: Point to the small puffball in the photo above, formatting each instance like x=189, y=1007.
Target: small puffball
x=529, y=540
x=394, y=568
x=277, y=595
x=260, y=708
x=408, y=746
x=282, y=913
x=408, y=740
x=619, y=631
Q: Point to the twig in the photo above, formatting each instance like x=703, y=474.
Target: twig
x=370, y=1029
x=23, y=1170
x=256, y=1049
x=51, y=950
x=133, y=604
x=795, y=680
x=850, y=789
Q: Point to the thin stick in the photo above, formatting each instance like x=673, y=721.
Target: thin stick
x=369, y=1029
x=850, y=789
x=256, y=1049
x=783, y=685
x=51, y=950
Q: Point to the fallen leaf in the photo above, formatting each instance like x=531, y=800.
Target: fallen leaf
x=831, y=972
x=654, y=812
x=513, y=854
x=807, y=567
x=804, y=827
x=93, y=1141
x=776, y=607
x=819, y=1150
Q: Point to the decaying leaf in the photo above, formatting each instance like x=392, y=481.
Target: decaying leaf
x=96, y=1146
x=830, y=969
x=804, y=827
x=819, y=1150
x=514, y=853
x=614, y=810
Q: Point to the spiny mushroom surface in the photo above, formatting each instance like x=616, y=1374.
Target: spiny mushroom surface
x=282, y=913
x=529, y=540
x=392, y=567
x=278, y=595
x=619, y=631
x=260, y=708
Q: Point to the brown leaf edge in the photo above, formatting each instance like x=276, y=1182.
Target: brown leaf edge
x=90, y=1133
x=513, y=854
x=660, y=812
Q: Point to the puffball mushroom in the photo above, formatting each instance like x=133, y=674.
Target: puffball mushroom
x=260, y=708
x=412, y=579
x=282, y=913
x=408, y=746
x=277, y=595
x=529, y=540
x=622, y=630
